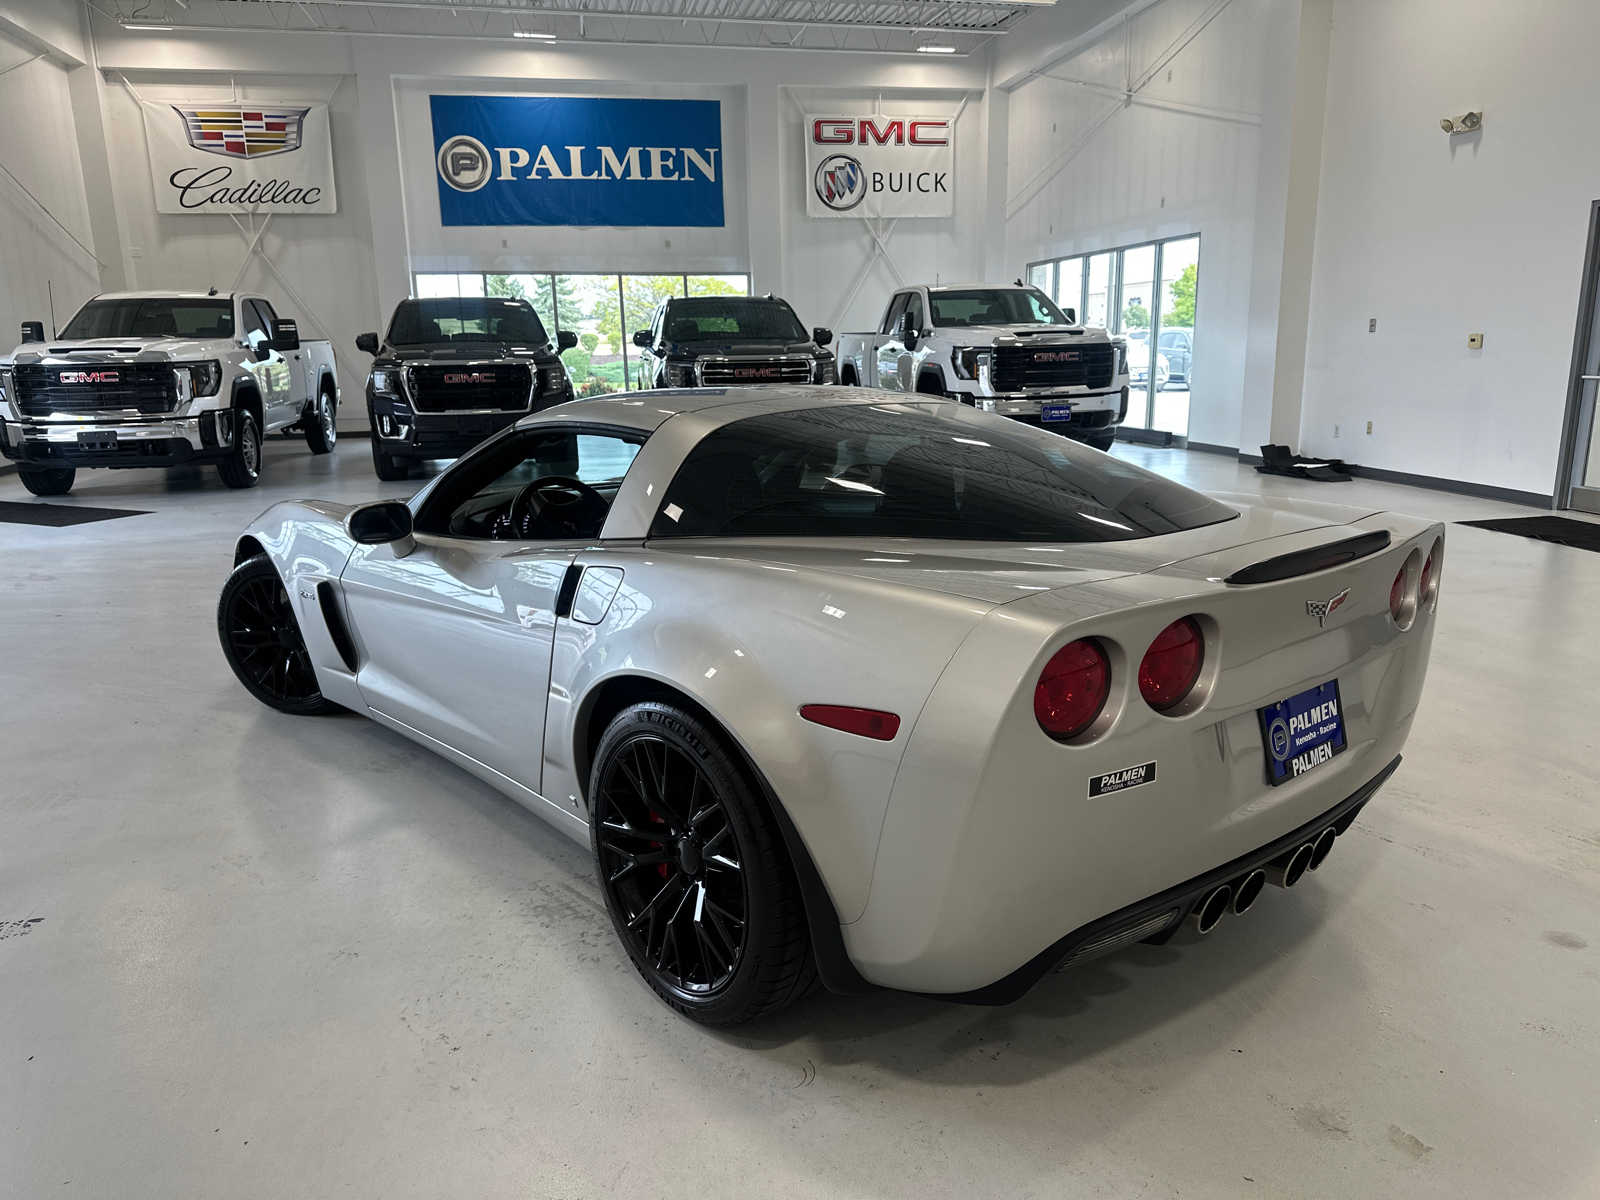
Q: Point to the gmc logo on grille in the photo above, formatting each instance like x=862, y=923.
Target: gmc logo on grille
x=1056, y=356
x=88, y=377
x=756, y=373
x=475, y=377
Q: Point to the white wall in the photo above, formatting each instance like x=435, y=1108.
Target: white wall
x=1147, y=172
x=1439, y=237
x=38, y=253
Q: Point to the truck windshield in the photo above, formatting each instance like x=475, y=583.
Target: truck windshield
x=732, y=319
x=995, y=306
x=469, y=319
x=151, y=317
x=919, y=471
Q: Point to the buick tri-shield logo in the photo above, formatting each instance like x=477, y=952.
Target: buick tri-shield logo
x=841, y=183
x=236, y=131
x=464, y=163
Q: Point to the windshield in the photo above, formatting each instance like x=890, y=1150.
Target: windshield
x=732, y=320
x=914, y=470
x=469, y=319
x=146, y=317
x=995, y=306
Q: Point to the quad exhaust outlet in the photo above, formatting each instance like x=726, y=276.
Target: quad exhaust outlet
x=1238, y=895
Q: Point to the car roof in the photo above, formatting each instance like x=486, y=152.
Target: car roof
x=646, y=411
x=168, y=294
x=964, y=287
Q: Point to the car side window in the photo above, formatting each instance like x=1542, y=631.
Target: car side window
x=256, y=330
x=914, y=312
x=896, y=307
x=268, y=313
x=551, y=483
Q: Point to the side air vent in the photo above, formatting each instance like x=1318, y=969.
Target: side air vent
x=1305, y=562
x=336, y=625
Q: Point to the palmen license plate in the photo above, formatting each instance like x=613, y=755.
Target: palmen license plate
x=1055, y=413
x=1302, y=732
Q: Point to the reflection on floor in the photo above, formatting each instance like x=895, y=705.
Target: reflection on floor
x=275, y=957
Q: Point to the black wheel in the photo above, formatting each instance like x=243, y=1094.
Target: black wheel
x=389, y=468
x=262, y=643
x=319, y=422
x=694, y=871
x=48, y=481
x=242, y=467
x=847, y=376
x=930, y=385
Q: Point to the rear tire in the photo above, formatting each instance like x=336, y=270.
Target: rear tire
x=242, y=467
x=262, y=642
x=48, y=481
x=694, y=870
x=321, y=432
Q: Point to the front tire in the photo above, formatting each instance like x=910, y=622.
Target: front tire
x=694, y=871
x=48, y=481
x=262, y=642
x=242, y=467
x=388, y=468
x=321, y=432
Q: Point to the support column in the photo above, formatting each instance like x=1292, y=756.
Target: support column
x=765, y=112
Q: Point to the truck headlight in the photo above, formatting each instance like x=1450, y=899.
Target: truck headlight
x=965, y=362
x=205, y=378
x=827, y=371
x=383, y=381
x=680, y=375
x=5, y=384
x=555, y=377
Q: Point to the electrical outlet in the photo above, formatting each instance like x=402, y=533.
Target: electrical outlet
x=1474, y=341
x=1369, y=426
x=1372, y=325
x=1335, y=431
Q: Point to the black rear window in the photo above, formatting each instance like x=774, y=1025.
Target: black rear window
x=732, y=320
x=151, y=318
x=917, y=470
x=469, y=319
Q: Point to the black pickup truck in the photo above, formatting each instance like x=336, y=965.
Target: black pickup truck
x=731, y=341
x=450, y=372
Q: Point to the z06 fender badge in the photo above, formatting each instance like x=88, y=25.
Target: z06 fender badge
x=1323, y=609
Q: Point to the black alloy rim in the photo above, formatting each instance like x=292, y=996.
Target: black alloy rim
x=267, y=643
x=669, y=863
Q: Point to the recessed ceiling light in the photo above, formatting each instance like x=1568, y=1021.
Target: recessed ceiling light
x=543, y=37
x=933, y=49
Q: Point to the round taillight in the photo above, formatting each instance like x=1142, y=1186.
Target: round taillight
x=1072, y=689
x=1172, y=664
x=1397, y=596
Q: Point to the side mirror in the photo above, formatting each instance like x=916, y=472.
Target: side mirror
x=821, y=336
x=285, y=335
x=380, y=523
x=33, y=331
x=909, y=340
x=367, y=343
x=1072, y=315
x=641, y=338
x=566, y=340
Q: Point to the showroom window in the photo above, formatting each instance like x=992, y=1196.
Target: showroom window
x=1147, y=293
x=603, y=310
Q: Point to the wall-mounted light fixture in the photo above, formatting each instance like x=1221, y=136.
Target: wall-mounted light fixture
x=1466, y=123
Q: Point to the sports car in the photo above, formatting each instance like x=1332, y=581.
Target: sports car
x=849, y=689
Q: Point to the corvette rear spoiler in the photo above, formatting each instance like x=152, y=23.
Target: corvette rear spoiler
x=1318, y=558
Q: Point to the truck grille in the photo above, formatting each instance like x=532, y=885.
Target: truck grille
x=1087, y=365
x=93, y=387
x=502, y=387
x=742, y=372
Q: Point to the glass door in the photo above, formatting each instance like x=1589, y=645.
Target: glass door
x=1135, y=297
x=1069, y=286
x=1174, y=333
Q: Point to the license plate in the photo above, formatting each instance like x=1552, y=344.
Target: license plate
x=1302, y=732
x=1055, y=413
x=98, y=441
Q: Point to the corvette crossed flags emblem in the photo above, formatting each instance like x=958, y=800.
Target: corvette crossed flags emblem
x=1323, y=609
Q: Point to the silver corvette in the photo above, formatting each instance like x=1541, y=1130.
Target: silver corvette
x=849, y=689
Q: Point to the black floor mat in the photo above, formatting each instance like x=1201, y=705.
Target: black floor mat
x=1564, y=531
x=58, y=515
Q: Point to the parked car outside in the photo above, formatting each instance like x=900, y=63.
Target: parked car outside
x=1139, y=365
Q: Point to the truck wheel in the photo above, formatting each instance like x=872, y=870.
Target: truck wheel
x=48, y=481
x=242, y=467
x=930, y=385
x=388, y=468
x=847, y=377
x=320, y=431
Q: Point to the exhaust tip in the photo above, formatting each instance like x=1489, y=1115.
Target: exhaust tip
x=1246, y=890
x=1211, y=908
x=1323, y=845
x=1286, y=870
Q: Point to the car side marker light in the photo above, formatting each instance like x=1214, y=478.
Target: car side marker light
x=864, y=722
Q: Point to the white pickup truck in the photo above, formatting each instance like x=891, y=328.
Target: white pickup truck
x=1002, y=347
x=153, y=379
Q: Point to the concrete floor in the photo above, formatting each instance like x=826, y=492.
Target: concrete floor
x=279, y=957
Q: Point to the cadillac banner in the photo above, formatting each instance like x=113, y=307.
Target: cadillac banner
x=536, y=160
x=879, y=166
x=254, y=157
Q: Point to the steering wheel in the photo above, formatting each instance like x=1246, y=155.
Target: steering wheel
x=556, y=506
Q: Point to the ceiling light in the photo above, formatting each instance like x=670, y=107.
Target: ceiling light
x=932, y=48
x=147, y=25
x=543, y=37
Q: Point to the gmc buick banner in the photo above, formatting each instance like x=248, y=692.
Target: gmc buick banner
x=253, y=157
x=531, y=160
x=880, y=166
